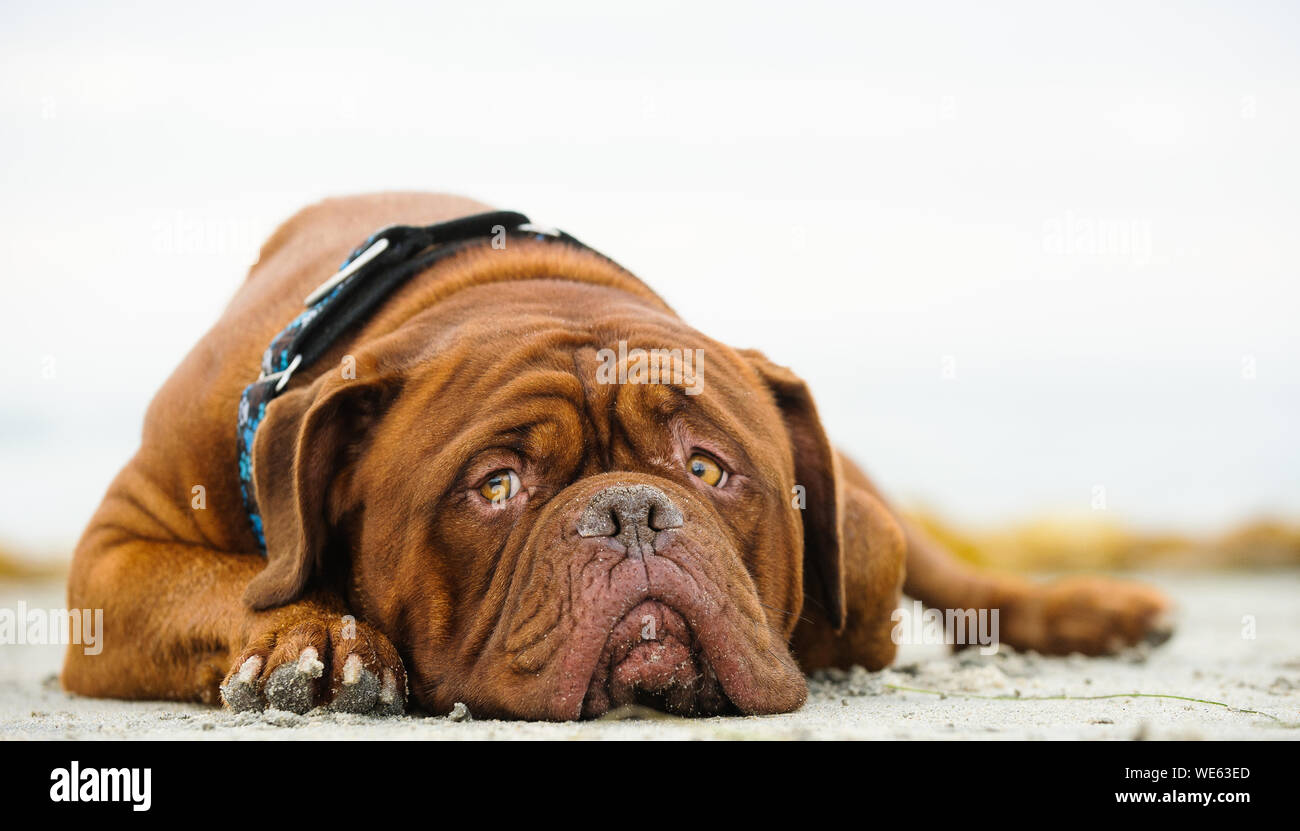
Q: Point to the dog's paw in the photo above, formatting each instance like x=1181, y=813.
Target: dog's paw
x=337, y=663
x=1089, y=615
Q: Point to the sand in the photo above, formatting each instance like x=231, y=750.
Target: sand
x=1004, y=696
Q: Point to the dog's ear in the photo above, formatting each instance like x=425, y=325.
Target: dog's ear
x=300, y=448
x=816, y=469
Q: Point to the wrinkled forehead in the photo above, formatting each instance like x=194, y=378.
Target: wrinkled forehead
x=504, y=364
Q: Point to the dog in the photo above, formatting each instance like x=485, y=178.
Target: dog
x=471, y=497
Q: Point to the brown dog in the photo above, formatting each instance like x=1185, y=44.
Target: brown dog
x=471, y=514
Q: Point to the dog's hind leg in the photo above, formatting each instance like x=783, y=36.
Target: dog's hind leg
x=1090, y=615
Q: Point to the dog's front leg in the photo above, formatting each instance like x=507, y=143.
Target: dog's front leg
x=175, y=626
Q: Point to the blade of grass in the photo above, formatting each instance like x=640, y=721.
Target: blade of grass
x=944, y=694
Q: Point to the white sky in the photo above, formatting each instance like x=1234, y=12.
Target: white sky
x=1087, y=212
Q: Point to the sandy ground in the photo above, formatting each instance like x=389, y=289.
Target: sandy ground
x=1004, y=696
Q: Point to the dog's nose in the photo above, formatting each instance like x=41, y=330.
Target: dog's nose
x=630, y=514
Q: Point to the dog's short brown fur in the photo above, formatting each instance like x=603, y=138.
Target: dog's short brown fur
x=380, y=546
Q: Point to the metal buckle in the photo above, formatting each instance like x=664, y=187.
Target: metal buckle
x=283, y=374
x=376, y=248
x=533, y=228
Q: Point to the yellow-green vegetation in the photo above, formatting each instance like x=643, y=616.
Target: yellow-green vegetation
x=1087, y=543
x=13, y=567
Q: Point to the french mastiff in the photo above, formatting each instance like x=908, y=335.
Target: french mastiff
x=481, y=491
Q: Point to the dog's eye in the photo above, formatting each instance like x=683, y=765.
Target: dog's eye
x=707, y=468
x=500, y=486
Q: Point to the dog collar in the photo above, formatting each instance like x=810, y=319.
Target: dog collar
x=373, y=270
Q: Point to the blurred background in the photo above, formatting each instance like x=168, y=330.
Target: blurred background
x=1039, y=264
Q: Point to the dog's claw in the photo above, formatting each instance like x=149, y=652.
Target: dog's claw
x=1162, y=629
x=392, y=701
x=360, y=688
x=290, y=685
x=352, y=669
x=241, y=692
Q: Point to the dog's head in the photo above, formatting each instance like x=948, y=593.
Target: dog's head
x=550, y=519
